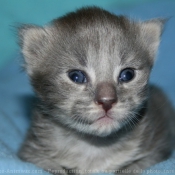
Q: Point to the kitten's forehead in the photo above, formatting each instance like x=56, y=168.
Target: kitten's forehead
x=98, y=39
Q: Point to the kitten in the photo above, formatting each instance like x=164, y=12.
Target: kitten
x=97, y=111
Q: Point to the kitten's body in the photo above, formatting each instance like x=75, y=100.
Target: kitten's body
x=75, y=129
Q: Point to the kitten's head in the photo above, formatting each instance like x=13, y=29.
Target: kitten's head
x=91, y=68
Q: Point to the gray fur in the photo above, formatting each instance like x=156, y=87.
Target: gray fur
x=65, y=132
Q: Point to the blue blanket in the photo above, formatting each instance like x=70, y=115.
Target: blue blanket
x=16, y=96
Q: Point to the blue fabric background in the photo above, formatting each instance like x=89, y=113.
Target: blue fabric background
x=16, y=96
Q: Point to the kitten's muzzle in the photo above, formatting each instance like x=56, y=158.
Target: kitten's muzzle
x=106, y=95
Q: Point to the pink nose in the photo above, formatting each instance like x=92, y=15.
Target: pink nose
x=106, y=95
x=106, y=103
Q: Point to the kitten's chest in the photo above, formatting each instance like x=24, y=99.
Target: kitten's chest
x=81, y=156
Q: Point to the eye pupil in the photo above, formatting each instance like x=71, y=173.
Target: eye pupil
x=77, y=76
x=126, y=75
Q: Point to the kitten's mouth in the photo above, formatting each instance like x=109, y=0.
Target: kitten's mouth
x=104, y=120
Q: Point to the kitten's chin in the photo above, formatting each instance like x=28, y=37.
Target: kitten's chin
x=104, y=126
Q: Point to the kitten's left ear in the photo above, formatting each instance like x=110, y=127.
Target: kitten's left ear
x=150, y=34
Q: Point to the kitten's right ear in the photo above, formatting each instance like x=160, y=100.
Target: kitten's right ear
x=32, y=39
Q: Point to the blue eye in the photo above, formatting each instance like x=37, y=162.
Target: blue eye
x=77, y=76
x=126, y=75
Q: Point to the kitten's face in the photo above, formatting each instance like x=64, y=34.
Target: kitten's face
x=91, y=68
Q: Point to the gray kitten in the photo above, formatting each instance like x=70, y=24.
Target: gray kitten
x=97, y=112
